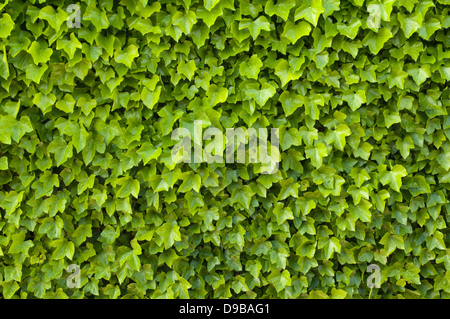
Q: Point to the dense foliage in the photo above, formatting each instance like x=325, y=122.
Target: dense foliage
x=358, y=90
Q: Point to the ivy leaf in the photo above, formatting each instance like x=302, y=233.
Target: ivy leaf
x=54, y=18
x=256, y=26
x=281, y=8
x=52, y=227
x=279, y=279
x=69, y=46
x=361, y=211
x=429, y=27
x=290, y=102
x=66, y=104
x=128, y=186
x=170, y=232
x=284, y=72
x=331, y=246
x=410, y=23
x=61, y=150
x=44, y=101
x=242, y=196
x=355, y=99
x=9, y=288
x=293, y=32
x=6, y=25
x=63, y=248
x=393, y=177
x=216, y=95
x=309, y=10
x=420, y=73
x=187, y=69
x=251, y=68
x=148, y=152
x=97, y=17
x=210, y=4
x=10, y=201
x=350, y=30
x=19, y=245
x=127, y=56
x=338, y=136
x=262, y=95
x=316, y=154
x=81, y=234
x=184, y=20
x=391, y=242
x=376, y=41
x=151, y=98
x=40, y=52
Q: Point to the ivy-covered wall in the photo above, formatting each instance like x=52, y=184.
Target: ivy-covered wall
x=94, y=202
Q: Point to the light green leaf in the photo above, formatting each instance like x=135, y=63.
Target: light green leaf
x=255, y=26
x=251, y=68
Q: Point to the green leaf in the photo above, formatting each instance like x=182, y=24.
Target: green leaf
x=10, y=201
x=40, y=52
x=261, y=95
x=61, y=150
x=81, y=234
x=316, y=154
x=187, y=69
x=210, y=4
x=355, y=99
x=184, y=20
x=251, y=68
x=392, y=242
x=420, y=73
x=69, y=46
x=63, y=248
x=6, y=25
x=128, y=186
x=3, y=163
x=127, y=55
x=9, y=289
x=310, y=10
x=216, y=95
x=290, y=102
x=10, y=128
x=279, y=279
x=255, y=26
x=429, y=27
x=150, y=98
x=170, y=232
x=54, y=18
x=361, y=211
x=281, y=8
x=293, y=32
x=97, y=17
x=52, y=227
x=393, y=177
x=331, y=246
x=410, y=23
x=284, y=72
x=350, y=30
x=148, y=152
x=19, y=245
x=338, y=136
x=66, y=104
x=376, y=41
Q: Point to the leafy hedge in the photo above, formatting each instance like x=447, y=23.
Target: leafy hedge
x=358, y=90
